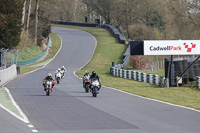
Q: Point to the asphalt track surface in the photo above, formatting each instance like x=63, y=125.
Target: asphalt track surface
x=70, y=110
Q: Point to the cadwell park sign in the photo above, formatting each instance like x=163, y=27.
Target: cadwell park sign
x=168, y=47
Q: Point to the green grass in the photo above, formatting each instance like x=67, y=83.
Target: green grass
x=156, y=72
x=109, y=50
x=29, y=52
x=6, y=102
x=26, y=70
x=56, y=44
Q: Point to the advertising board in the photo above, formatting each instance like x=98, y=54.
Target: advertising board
x=172, y=47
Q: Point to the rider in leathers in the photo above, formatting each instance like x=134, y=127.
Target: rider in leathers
x=63, y=69
x=94, y=76
x=85, y=75
x=49, y=78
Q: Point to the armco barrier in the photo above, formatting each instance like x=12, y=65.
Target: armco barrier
x=74, y=23
x=35, y=59
x=113, y=29
x=197, y=82
x=139, y=76
x=126, y=57
x=7, y=74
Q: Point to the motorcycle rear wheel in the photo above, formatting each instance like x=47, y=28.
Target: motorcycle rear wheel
x=86, y=88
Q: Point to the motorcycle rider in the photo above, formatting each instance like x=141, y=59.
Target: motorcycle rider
x=85, y=75
x=58, y=71
x=94, y=76
x=49, y=78
x=63, y=69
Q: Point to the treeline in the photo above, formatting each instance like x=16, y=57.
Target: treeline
x=150, y=19
x=138, y=19
x=23, y=21
x=10, y=23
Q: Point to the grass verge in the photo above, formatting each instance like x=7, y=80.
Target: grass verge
x=56, y=44
x=7, y=103
x=109, y=50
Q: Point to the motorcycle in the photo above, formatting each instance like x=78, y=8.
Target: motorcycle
x=62, y=73
x=95, y=86
x=87, y=83
x=48, y=87
x=58, y=77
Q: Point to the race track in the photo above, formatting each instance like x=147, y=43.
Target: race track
x=70, y=110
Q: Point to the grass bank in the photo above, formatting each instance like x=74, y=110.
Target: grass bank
x=109, y=50
x=56, y=44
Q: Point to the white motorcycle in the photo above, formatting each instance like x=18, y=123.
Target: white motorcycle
x=62, y=73
x=58, y=77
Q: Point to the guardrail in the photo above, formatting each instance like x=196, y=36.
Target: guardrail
x=126, y=57
x=114, y=30
x=7, y=74
x=197, y=82
x=8, y=57
x=74, y=23
x=139, y=76
x=35, y=59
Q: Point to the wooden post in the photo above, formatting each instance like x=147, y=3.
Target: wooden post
x=177, y=85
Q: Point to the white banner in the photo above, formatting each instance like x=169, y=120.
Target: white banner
x=172, y=47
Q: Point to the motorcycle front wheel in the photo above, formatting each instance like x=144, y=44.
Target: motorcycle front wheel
x=48, y=92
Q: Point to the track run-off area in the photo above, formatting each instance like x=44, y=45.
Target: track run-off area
x=70, y=110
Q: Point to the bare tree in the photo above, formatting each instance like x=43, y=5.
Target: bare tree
x=36, y=20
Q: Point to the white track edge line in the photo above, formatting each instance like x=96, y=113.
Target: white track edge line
x=25, y=118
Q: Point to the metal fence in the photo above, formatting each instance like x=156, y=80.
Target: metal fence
x=197, y=82
x=35, y=59
x=7, y=58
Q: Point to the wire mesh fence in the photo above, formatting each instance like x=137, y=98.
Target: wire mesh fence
x=7, y=58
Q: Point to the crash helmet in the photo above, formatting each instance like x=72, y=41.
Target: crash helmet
x=58, y=69
x=94, y=73
x=49, y=75
x=63, y=67
x=87, y=72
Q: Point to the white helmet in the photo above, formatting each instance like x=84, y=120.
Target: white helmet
x=58, y=69
x=87, y=72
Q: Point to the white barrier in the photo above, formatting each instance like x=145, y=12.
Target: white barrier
x=7, y=74
x=139, y=76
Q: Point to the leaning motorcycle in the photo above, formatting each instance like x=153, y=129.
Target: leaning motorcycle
x=58, y=77
x=62, y=73
x=87, y=83
x=95, y=86
x=48, y=87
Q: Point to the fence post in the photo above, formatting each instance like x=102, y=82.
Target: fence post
x=197, y=82
x=122, y=73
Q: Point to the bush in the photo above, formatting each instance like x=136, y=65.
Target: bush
x=138, y=62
